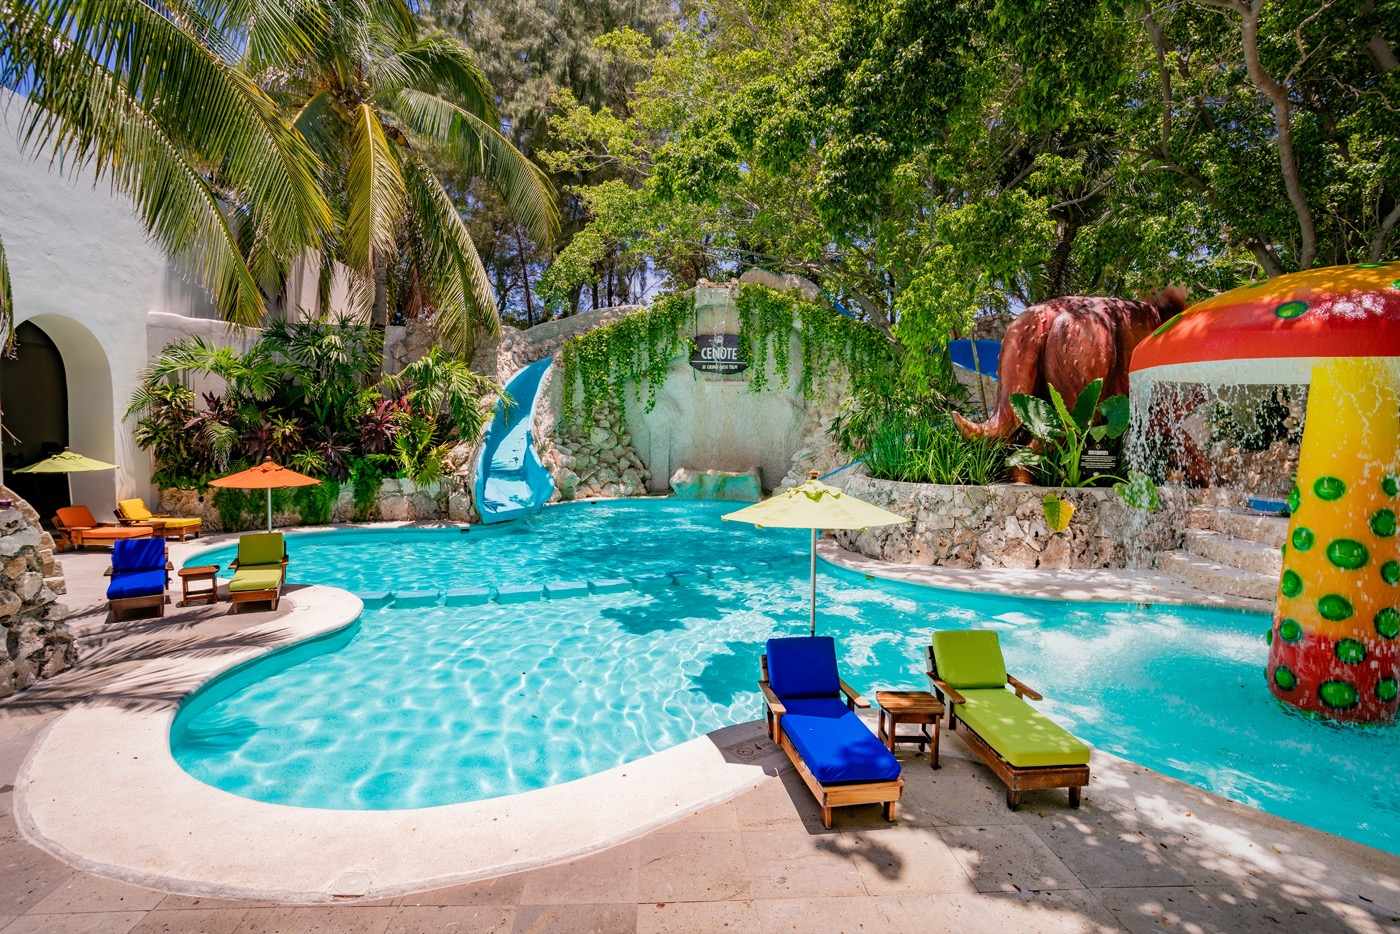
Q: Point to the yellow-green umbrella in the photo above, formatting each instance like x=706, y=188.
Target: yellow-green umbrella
x=67, y=462
x=814, y=505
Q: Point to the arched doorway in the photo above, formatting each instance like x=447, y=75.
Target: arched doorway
x=34, y=416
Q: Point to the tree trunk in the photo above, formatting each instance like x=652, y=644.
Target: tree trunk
x=1283, y=124
x=525, y=279
x=1383, y=233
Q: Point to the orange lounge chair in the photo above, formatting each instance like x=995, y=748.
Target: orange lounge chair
x=133, y=512
x=81, y=529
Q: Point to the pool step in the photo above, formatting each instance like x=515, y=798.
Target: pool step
x=1266, y=530
x=1243, y=553
x=548, y=590
x=1213, y=577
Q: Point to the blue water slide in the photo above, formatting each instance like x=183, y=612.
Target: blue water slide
x=988, y=355
x=510, y=480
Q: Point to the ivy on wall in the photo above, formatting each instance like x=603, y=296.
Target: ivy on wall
x=638, y=350
x=634, y=351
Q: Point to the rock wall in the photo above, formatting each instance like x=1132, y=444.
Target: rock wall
x=36, y=642
x=503, y=358
x=398, y=500
x=1003, y=526
x=588, y=459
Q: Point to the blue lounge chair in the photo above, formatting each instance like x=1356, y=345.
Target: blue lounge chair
x=140, y=573
x=835, y=753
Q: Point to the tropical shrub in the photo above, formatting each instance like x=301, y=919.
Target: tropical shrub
x=1062, y=434
x=306, y=395
x=913, y=439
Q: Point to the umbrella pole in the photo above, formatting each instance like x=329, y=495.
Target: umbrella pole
x=269, y=509
x=813, y=613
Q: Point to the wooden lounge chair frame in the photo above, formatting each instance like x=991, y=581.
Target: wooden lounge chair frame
x=273, y=595
x=119, y=605
x=886, y=793
x=157, y=522
x=73, y=534
x=1016, y=778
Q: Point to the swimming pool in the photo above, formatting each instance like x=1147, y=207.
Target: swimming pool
x=425, y=705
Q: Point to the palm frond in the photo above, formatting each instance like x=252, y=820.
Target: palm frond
x=90, y=118
x=485, y=150
x=200, y=101
x=458, y=283
x=375, y=193
x=442, y=66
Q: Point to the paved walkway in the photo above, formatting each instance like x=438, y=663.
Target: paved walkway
x=1143, y=854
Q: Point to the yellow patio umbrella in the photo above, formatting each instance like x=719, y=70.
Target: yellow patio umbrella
x=814, y=505
x=67, y=461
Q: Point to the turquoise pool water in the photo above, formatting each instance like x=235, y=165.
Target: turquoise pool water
x=428, y=705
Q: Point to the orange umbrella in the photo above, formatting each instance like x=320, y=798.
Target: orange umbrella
x=269, y=476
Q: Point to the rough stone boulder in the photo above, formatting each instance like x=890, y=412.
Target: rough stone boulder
x=743, y=486
x=35, y=642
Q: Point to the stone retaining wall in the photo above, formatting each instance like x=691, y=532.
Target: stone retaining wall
x=35, y=642
x=399, y=500
x=1003, y=526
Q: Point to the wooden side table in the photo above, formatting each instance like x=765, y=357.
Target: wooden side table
x=918, y=707
x=199, y=574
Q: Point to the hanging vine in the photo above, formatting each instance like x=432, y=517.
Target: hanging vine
x=828, y=340
x=637, y=351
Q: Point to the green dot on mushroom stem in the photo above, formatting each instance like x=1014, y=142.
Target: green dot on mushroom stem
x=1388, y=622
x=1347, y=553
x=1386, y=689
x=1389, y=485
x=1338, y=695
x=1285, y=678
x=1290, y=631
x=1383, y=522
x=1334, y=607
x=1329, y=488
x=1390, y=572
x=1351, y=651
x=1294, y=498
x=1292, y=584
x=1303, y=538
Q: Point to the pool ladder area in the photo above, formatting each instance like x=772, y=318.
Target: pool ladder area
x=558, y=589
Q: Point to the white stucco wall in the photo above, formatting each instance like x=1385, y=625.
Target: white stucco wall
x=706, y=421
x=84, y=271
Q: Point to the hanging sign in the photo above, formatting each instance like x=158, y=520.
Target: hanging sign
x=717, y=353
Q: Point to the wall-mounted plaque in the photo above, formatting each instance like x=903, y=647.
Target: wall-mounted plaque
x=717, y=353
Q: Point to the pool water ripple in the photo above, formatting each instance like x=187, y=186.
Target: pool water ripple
x=420, y=706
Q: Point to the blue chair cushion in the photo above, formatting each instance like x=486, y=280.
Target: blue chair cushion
x=136, y=584
x=815, y=706
x=839, y=748
x=138, y=554
x=803, y=666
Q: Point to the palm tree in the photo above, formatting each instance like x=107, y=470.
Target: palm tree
x=147, y=95
x=378, y=100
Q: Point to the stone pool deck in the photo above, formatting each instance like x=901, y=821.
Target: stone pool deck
x=1144, y=853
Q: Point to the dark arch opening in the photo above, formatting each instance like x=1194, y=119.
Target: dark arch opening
x=34, y=417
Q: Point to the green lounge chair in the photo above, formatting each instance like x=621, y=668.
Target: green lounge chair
x=1025, y=748
x=260, y=570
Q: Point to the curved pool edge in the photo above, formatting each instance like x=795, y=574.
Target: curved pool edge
x=101, y=790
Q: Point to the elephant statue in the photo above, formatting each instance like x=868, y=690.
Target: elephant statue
x=1067, y=343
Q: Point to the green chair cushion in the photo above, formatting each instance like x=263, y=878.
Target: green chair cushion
x=261, y=548
x=1022, y=735
x=969, y=658
x=264, y=577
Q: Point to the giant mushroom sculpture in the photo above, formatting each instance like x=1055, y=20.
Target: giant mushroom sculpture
x=1334, y=646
